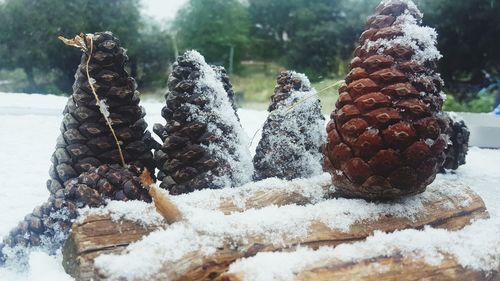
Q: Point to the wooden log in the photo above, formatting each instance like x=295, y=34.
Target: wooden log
x=262, y=194
x=197, y=266
x=394, y=268
x=99, y=234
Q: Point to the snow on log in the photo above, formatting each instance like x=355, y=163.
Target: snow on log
x=208, y=241
x=396, y=267
x=431, y=254
x=111, y=229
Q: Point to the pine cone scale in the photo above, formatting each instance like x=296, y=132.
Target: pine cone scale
x=387, y=140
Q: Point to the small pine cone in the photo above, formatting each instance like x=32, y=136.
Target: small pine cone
x=49, y=224
x=293, y=134
x=458, y=143
x=387, y=135
x=85, y=139
x=204, y=144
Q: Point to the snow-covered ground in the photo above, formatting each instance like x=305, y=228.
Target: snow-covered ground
x=29, y=126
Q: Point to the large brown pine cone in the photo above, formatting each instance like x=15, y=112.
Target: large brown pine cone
x=49, y=224
x=458, y=143
x=204, y=144
x=85, y=139
x=294, y=132
x=387, y=134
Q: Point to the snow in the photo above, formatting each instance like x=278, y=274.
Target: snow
x=288, y=138
x=208, y=230
x=136, y=211
x=221, y=113
x=31, y=123
x=477, y=247
x=311, y=189
x=421, y=39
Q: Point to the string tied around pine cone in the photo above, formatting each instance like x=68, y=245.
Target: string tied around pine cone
x=85, y=42
x=291, y=107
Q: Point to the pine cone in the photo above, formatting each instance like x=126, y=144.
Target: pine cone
x=387, y=135
x=49, y=224
x=293, y=134
x=458, y=143
x=85, y=140
x=203, y=140
x=222, y=76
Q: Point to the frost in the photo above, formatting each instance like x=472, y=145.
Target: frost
x=136, y=211
x=421, y=39
x=206, y=230
x=455, y=117
x=411, y=5
x=221, y=112
x=20, y=111
x=104, y=108
x=476, y=246
x=293, y=135
x=311, y=189
x=429, y=142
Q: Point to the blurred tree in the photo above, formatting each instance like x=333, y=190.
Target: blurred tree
x=29, y=30
x=155, y=55
x=469, y=37
x=212, y=27
x=315, y=37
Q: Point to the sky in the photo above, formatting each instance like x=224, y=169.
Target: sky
x=161, y=10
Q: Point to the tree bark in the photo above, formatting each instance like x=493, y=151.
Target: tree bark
x=87, y=240
x=393, y=268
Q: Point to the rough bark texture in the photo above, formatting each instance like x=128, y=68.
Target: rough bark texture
x=458, y=143
x=87, y=241
x=187, y=160
x=293, y=133
x=387, y=135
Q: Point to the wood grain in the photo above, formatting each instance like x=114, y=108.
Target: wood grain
x=394, y=268
x=97, y=235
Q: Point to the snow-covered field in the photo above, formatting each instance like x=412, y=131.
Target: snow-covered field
x=29, y=127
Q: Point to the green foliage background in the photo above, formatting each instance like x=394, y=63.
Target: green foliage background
x=315, y=37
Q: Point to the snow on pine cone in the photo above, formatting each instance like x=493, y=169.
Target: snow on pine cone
x=49, y=224
x=388, y=133
x=85, y=140
x=204, y=144
x=458, y=143
x=222, y=76
x=294, y=132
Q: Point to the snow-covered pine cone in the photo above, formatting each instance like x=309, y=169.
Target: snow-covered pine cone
x=222, y=76
x=49, y=224
x=387, y=135
x=293, y=133
x=85, y=140
x=458, y=143
x=204, y=144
